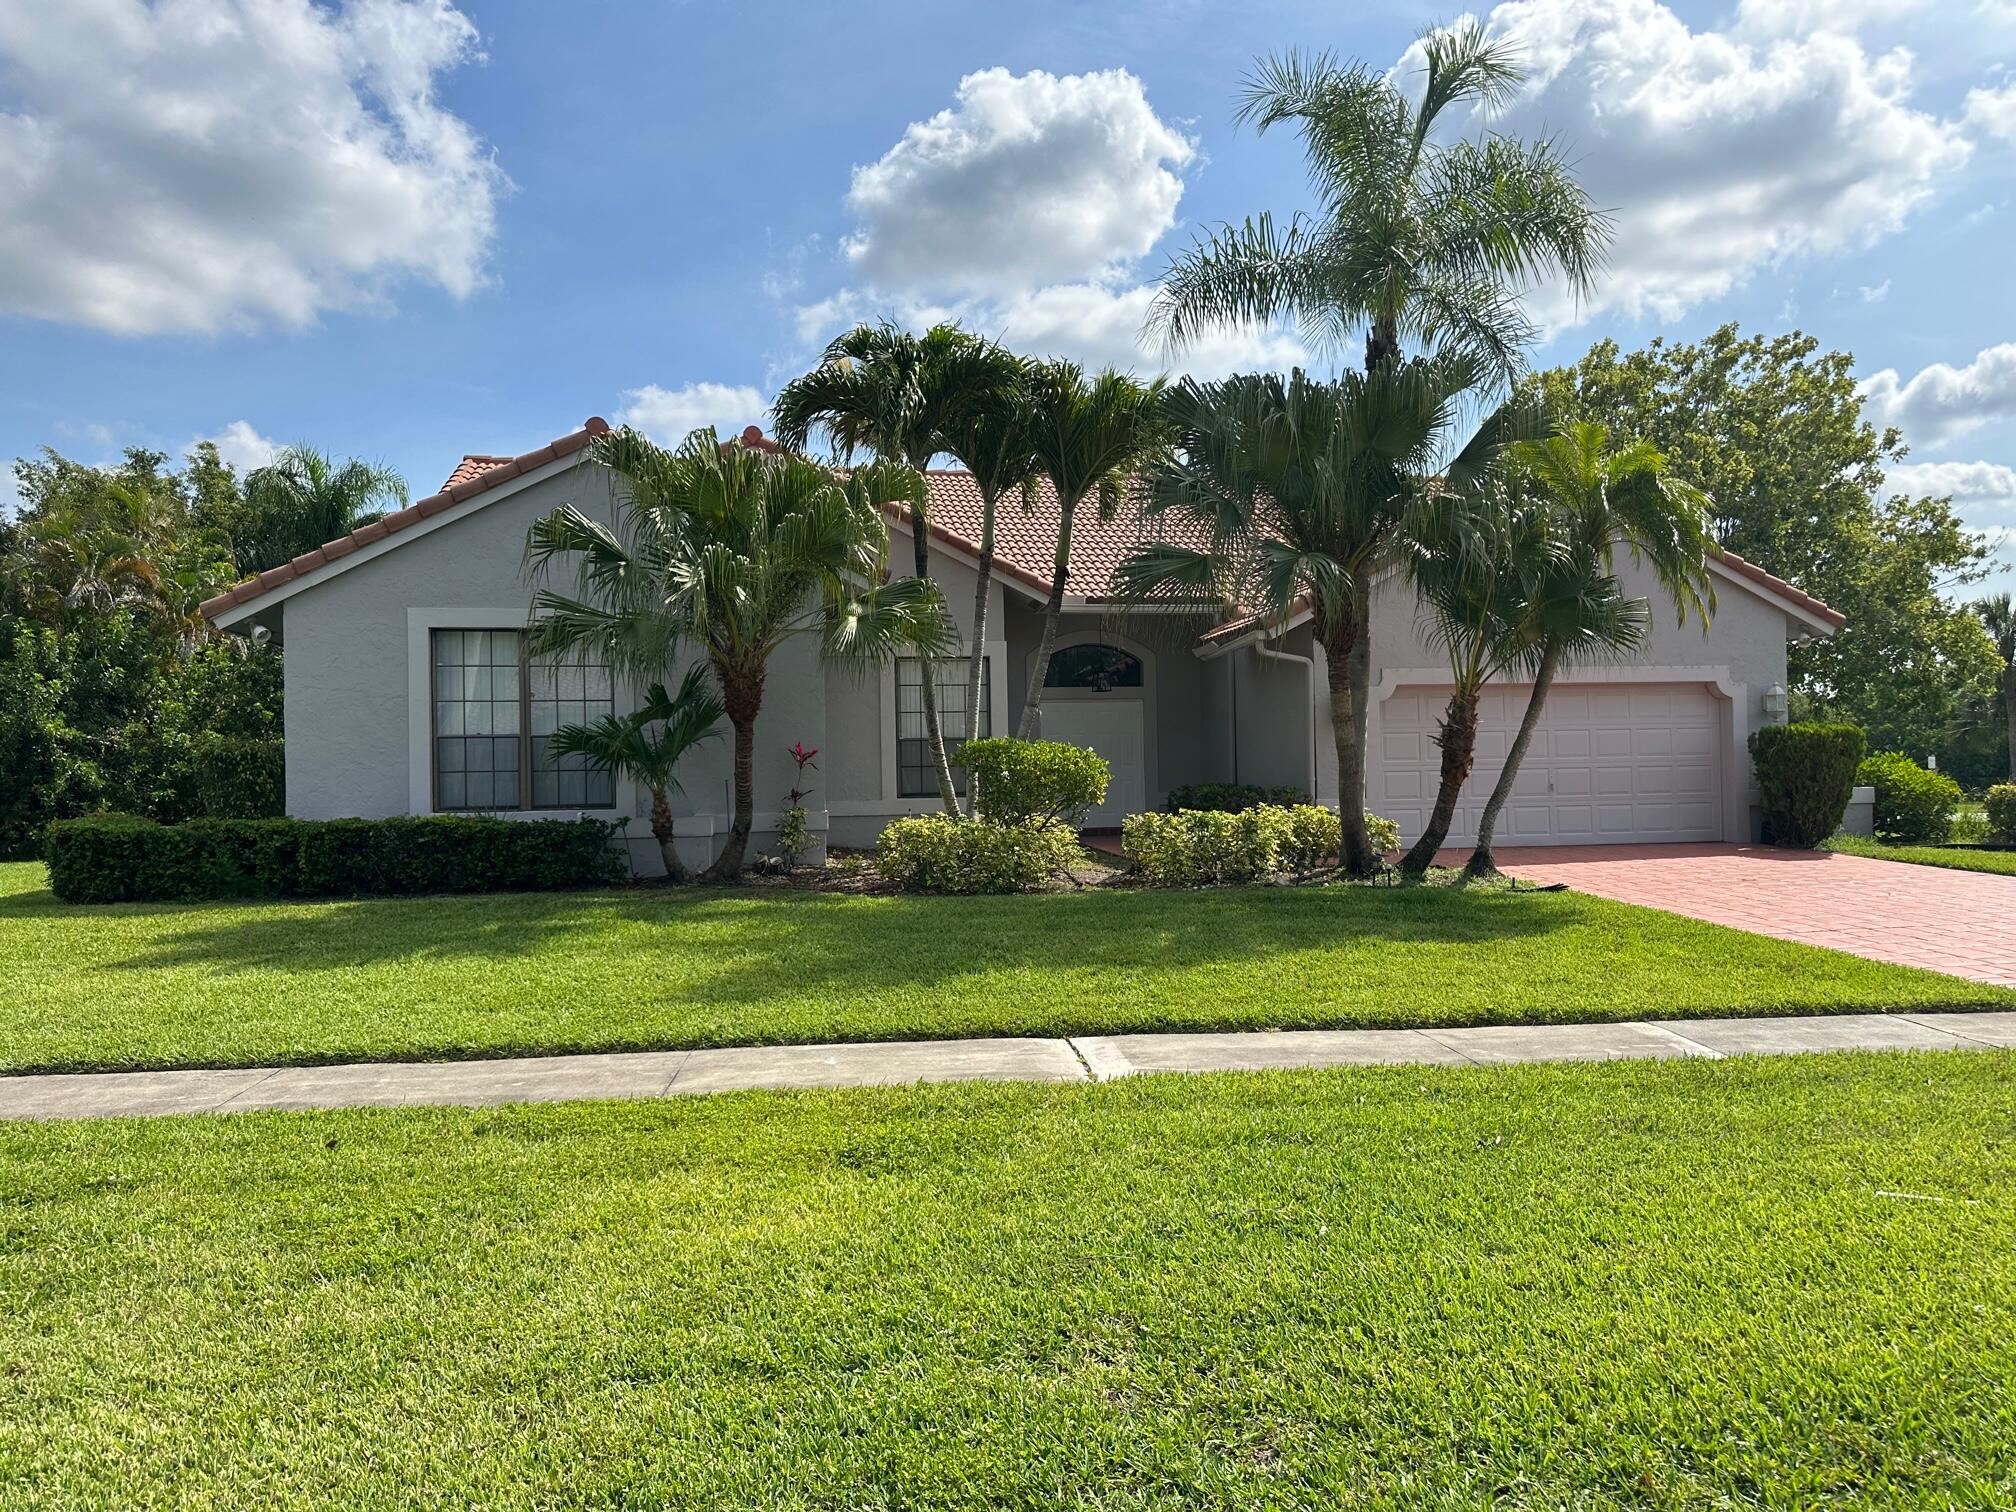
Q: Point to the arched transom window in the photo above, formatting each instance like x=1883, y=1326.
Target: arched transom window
x=1094, y=665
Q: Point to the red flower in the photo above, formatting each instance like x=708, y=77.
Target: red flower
x=804, y=757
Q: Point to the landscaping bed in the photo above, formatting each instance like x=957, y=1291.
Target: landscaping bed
x=1681, y=1284
x=220, y=984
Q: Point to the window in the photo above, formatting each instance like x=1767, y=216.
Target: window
x=494, y=717
x=1092, y=666
x=914, y=777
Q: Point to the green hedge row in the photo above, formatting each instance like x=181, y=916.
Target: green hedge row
x=115, y=858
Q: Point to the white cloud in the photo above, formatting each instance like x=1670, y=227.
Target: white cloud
x=1973, y=486
x=241, y=446
x=1994, y=111
x=667, y=415
x=1029, y=179
x=1941, y=401
x=1875, y=293
x=228, y=164
x=1796, y=18
x=1718, y=157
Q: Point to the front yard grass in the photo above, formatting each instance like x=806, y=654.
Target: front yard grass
x=219, y=984
x=1786, y=1282
x=2002, y=862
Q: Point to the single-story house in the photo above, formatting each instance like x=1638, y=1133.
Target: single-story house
x=407, y=691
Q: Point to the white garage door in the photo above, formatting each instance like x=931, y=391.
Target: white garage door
x=1609, y=764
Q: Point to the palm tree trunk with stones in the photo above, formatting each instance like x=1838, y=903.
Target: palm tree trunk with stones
x=1482, y=862
x=662, y=832
x=977, y=659
x=1458, y=740
x=1032, y=698
x=934, y=731
x=742, y=693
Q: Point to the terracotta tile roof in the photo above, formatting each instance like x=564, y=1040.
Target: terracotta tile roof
x=1779, y=586
x=478, y=481
x=474, y=465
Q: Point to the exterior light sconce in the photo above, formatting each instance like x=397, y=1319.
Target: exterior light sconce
x=1775, y=703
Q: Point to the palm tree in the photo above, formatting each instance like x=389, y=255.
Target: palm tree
x=739, y=550
x=1421, y=237
x=1597, y=498
x=626, y=743
x=1999, y=616
x=1088, y=436
x=1305, y=490
x=896, y=393
x=304, y=497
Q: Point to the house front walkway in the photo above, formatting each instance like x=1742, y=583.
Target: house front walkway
x=674, y=1073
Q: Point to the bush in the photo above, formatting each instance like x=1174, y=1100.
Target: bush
x=1912, y=804
x=937, y=853
x=1807, y=774
x=1230, y=797
x=2002, y=811
x=1026, y=780
x=116, y=858
x=1205, y=847
x=240, y=778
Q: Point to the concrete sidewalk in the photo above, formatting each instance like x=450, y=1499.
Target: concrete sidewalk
x=672, y=1073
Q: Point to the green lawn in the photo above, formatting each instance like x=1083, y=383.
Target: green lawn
x=1672, y=1285
x=228, y=984
x=2002, y=862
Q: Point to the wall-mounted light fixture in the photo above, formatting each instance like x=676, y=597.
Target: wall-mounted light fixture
x=1775, y=702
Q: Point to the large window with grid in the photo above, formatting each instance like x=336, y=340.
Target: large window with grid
x=494, y=718
x=914, y=777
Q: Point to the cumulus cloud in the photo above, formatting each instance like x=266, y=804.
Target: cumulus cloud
x=1993, y=111
x=197, y=165
x=1973, y=486
x=1941, y=401
x=1796, y=18
x=667, y=415
x=241, y=446
x=1028, y=179
x=1718, y=156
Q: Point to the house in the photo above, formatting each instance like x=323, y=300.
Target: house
x=407, y=691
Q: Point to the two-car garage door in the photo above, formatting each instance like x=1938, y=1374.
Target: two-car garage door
x=1609, y=763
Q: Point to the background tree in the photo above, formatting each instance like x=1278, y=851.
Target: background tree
x=303, y=498
x=735, y=550
x=1998, y=617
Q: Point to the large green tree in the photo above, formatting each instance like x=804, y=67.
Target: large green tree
x=305, y=497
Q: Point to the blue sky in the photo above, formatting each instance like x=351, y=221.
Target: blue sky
x=404, y=229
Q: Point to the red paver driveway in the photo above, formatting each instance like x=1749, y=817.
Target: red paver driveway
x=1961, y=923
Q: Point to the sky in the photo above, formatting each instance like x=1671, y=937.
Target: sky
x=406, y=229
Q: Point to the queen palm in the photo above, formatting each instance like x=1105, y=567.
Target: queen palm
x=1595, y=499
x=303, y=498
x=736, y=550
x=1305, y=491
x=1998, y=616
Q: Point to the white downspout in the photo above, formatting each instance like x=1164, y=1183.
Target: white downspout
x=1308, y=665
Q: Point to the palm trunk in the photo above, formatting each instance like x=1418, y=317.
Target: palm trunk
x=977, y=663
x=742, y=692
x=1032, y=699
x=1347, y=655
x=1482, y=863
x=661, y=831
x=2009, y=713
x=1458, y=740
x=934, y=732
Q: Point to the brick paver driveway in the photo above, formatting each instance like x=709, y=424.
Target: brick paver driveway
x=1961, y=923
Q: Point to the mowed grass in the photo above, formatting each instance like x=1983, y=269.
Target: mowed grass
x=226, y=984
x=1785, y=1282
x=2002, y=862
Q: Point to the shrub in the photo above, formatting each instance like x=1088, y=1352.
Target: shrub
x=1203, y=847
x=1912, y=804
x=1025, y=780
x=1230, y=797
x=239, y=777
x=2002, y=811
x=116, y=858
x=937, y=853
x=1807, y=774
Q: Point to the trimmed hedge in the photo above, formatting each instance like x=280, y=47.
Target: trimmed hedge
x=1913, y=805
x=1230, y=798
x=1806, y=773
x=936, y=853
x=1022, y=781
x=116, y=858
x=2002, y=811
x=1208, y=847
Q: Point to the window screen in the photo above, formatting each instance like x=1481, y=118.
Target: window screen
x=914, y=777
x=494, y=719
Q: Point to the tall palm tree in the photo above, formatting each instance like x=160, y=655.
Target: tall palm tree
x=1999, y=616
x=1597, y=498
x=305, y=497
x=626, y=743
x=738, y=550
x=895, y=393
x=1088, y=436
x=1421, y=237
x=1306, y=491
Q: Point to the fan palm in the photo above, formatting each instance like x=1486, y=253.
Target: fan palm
x=738, y=550
x=1305, y=491
x=1998, y=615
x=1420, y=237
x=626, y=743
x=303, y=498
x=1596, y=498
x=1088, y=436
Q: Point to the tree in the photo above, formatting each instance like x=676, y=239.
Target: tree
x=626, y=743
x=737, y=550
x=1597, y=499
x=1087, y=436
x=1304, y=491
x=1773, y=430
x=897, y=394
x=304, y=498
x=1998, y=618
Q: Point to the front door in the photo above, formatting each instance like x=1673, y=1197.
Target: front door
x=1115, y=729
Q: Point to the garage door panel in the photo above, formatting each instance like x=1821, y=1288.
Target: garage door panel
x=1612, y=740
